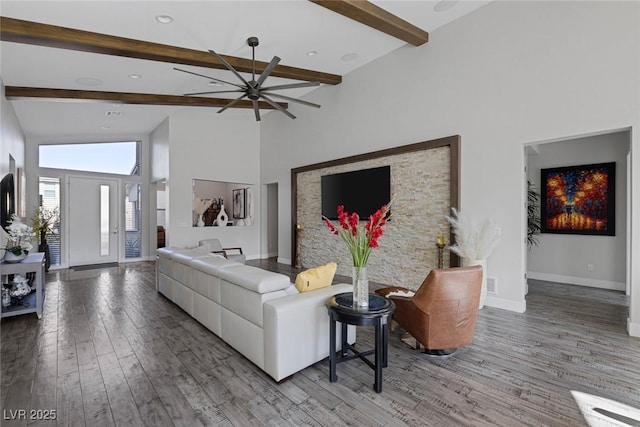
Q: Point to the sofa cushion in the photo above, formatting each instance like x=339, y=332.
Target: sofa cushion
x=212, y=264
x=316, y=278
x=184, y=256
x=254, y=279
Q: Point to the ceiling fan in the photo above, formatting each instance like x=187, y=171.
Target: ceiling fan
x=253, y=88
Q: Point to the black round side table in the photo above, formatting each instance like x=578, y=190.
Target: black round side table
x=340, y=308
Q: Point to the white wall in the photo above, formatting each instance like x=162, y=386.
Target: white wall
x=564, y=258
x=508, y=74
x=13, y=145
x=215, y=148
x=13, y=140
x=159, y=152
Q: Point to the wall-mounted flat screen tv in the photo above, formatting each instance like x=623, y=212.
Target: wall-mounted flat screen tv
x=363, y=191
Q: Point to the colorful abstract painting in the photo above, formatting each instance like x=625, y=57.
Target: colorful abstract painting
x=579, y=199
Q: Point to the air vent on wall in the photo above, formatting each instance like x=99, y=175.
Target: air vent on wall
x=492, y=285
x=113, y=114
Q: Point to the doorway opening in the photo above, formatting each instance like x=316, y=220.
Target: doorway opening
x=272, y=220
x=587, y=260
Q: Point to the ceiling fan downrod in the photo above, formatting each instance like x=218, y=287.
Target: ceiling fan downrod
x=253, y=42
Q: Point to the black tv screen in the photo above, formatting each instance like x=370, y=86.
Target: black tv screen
x=362, y=191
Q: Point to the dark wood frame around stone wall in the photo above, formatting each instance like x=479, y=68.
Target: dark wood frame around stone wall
x=453, y=142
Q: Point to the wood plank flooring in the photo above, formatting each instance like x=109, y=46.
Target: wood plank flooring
x=109, y=350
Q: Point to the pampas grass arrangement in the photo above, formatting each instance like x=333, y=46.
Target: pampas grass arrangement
x=474, y=240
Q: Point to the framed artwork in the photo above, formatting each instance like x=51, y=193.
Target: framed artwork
x=248, y=205
x=578, y=199
x=239, y=211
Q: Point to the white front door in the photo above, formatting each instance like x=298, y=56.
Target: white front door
x=93, y=221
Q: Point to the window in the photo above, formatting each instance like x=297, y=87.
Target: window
x=49, y=190
x=122, y=158
x=132, y=221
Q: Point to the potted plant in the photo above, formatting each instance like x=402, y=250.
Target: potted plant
x=474, y=243
x=19, y=241
x=44, y=220
x=360, y=242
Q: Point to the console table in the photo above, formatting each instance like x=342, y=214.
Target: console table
x=340, y=308
x=33, y=263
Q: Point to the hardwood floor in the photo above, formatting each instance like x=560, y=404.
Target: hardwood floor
x=109, y=350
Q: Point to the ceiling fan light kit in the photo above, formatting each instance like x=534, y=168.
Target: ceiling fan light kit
x=254, y=89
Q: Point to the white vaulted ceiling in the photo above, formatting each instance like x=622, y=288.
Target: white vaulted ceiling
x=288, y=29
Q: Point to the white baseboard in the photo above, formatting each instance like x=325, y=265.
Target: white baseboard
x=582, y=281
x=633, y=328
x=282, y=260
x=506, y=304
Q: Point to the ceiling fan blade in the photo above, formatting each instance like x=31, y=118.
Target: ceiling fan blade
x=299, y=101
x=216, y=91
x=256, y=109
x=276, y=106
x=232, y=103
x=207, y=77
x=292, y=86
x=229, y=67
x=268, y=70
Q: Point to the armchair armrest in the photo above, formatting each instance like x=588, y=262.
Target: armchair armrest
x=296, y=330
x=233, y=249
x=386, y=291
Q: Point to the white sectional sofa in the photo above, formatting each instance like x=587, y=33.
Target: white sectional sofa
x=257, y=312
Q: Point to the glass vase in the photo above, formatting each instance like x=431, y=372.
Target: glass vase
x=360, y=288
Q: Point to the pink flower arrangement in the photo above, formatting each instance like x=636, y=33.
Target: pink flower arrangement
x=360, y=241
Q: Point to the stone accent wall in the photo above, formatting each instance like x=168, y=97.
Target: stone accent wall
x=407, y=253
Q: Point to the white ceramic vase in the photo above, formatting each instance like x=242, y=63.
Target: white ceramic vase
x=466, y=262
x=222, y=217
x=10, y=257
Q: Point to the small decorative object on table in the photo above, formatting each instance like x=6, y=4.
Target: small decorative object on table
x=200, y=206
x=6, y=298
x=19, y=241
x=223, y=218
x=296, y=262
x=20, y=287
x=360, y=242
x=440, y=244
x=474, y=243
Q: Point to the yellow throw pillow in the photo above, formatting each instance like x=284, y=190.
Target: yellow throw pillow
x=316, y=278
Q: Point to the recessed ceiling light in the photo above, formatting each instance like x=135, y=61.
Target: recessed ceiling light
x=134, y=76
x=312, y=53
x=88, y=81
x=164, y=19
x=105, y=127
x=349, y=57
x=214, y=83
x=443, y=5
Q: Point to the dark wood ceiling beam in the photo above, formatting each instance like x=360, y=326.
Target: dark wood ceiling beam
x=375, y=17
x=27, y=32
x=21, y=93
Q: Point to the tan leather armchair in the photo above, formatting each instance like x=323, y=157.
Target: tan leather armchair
x=442, y=313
